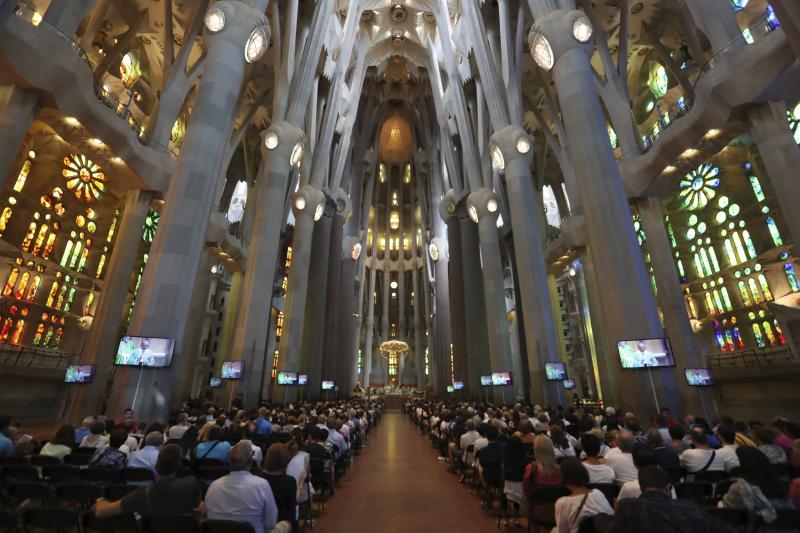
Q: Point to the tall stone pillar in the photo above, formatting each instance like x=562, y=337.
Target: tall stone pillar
x=356, y=369
x=483, y=206
x=478, y=363
x=428, y=322
x=103, y=337
x=627, y=297
x=317, y=300
x=163, y=304
x=788, y=12
x=370, y=321
x=540, y=330
x=265, y=217
x=781, y=156
x=18, y=108
x=442, y=331
x=342, y=356
x=673, y=307
x=455, y=276
x=66, y=15
x=308, y=205
x=717, y=20
x=419, y=328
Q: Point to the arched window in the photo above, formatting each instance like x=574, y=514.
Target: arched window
x=22, y=177
x=762, y=282
x=67, y=253
x=729, y=252
x=37, y=337
x=726, y=299
x=779, y=332
x=758, y=336
x=52, y=295
x=70, y=298
x=737, y=242
x=709, y=304
x=751, y=284
x=6, y=331
x=29, y=235
x=39, y=243
x=769, y=334
x=48, y=247
x=743, y=293
x=16, y=335
x=22, y=285
x=11, y=281
x=35, y=282
x=773, y=231
x=737, y=337
x=100, y=266
x=791, y=277
x=4, y=218
x=748, y=242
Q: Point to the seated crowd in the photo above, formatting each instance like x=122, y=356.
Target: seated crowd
x=584, y=469
x=263, y=468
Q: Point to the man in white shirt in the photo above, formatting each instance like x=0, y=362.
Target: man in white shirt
x=643, y=456
x=468, y=438
x=177, y=431
x=598, y=472
x=727, y=436
x=240, y=495
x=622, y=462
x=148, y=455
x=701, y=458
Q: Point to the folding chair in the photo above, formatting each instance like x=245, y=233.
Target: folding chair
x=225, y=526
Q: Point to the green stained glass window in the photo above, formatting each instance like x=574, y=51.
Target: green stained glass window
x=794, y=121
x=726, y=299
x=791, y=277
x=751, y=284
x=756, y=185
x=657, y=80
x=748, y=242
x=744, y=294
x=762, y=282
x=773, y=231
x=150, y=226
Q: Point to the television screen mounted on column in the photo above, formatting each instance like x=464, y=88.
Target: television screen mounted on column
x=569, y=384
x=458, y=385
x=79, y=374
x=698, y=377
x=645, y=353
x=287, y=378
x=486, y=380
x=555, y=371
x=215, y=383
x=232, y=369
x=144, y=351
x=501, y=378
x=302, y=379
x=327, y=385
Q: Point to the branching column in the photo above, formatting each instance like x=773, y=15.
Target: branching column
x=162, y=306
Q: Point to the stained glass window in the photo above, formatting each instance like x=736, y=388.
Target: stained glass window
x=737, y=241
x=769, y=334
x=738, y=5
x=726, y=299
x=779, y=332
x=729, y=340
x=751, y=284
x=23, y=284
x=5, y=216
x=709, y=303
x=33, y=288
x=737, y=337
x=756, y=185
x=758, y=336
x=744, y=293
x=732, y=260
x=29, y=235
x=657, y=80
x=794, y=121
x=22, y=177
x=16, y=335
x=53, y=294
x=699, y=186
x=113, y=227
x=84, y=178
x=150, y=225
x=791, y=277
x=748, y=242
x=762, y=281
x=37, y=337
x=773, y=231
x=87, y=305
x=6, y=331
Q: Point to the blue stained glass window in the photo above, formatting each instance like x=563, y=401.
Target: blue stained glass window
x=791, y=277
x=773, y=231
x=756, y=185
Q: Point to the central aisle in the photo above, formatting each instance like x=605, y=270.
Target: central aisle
x=398, y=485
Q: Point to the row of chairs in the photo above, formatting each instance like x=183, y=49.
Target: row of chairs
x=64, y=520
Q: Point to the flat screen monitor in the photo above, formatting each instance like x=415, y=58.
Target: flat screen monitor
x=144, y=351
x=486, y=380
x=458, y=385
x=698, y=377
x=569, y=384
x=302, y=379
x=215, y=383
x=501, y=378
x=555, y=371
x=645, y=353
x=287, y=378
x=232, y=369
x=327, y=385
x=450, y=388
x=79, y=374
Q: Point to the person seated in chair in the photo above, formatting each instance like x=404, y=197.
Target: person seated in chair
x=655, y=512
x=701, y=458
x=111, y=456
x=169, y=494
x=214, y=447
x=240, y=495
x=284, y=486
x=582, y=503
x=147, y=456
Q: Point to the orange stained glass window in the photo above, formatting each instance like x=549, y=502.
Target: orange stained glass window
x=34, y=287
x=4, y=333
x=12, y=280
x=29, y=235
x=19, y=327
x=23, y=284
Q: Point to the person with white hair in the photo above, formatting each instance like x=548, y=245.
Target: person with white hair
x=240, y=495
x=84, y=430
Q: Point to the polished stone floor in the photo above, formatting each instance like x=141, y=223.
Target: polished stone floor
x=398, y=485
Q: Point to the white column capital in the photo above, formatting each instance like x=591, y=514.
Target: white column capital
x=507, y=144
x=240, y=24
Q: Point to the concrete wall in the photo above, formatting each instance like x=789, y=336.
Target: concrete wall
x=757, y=392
